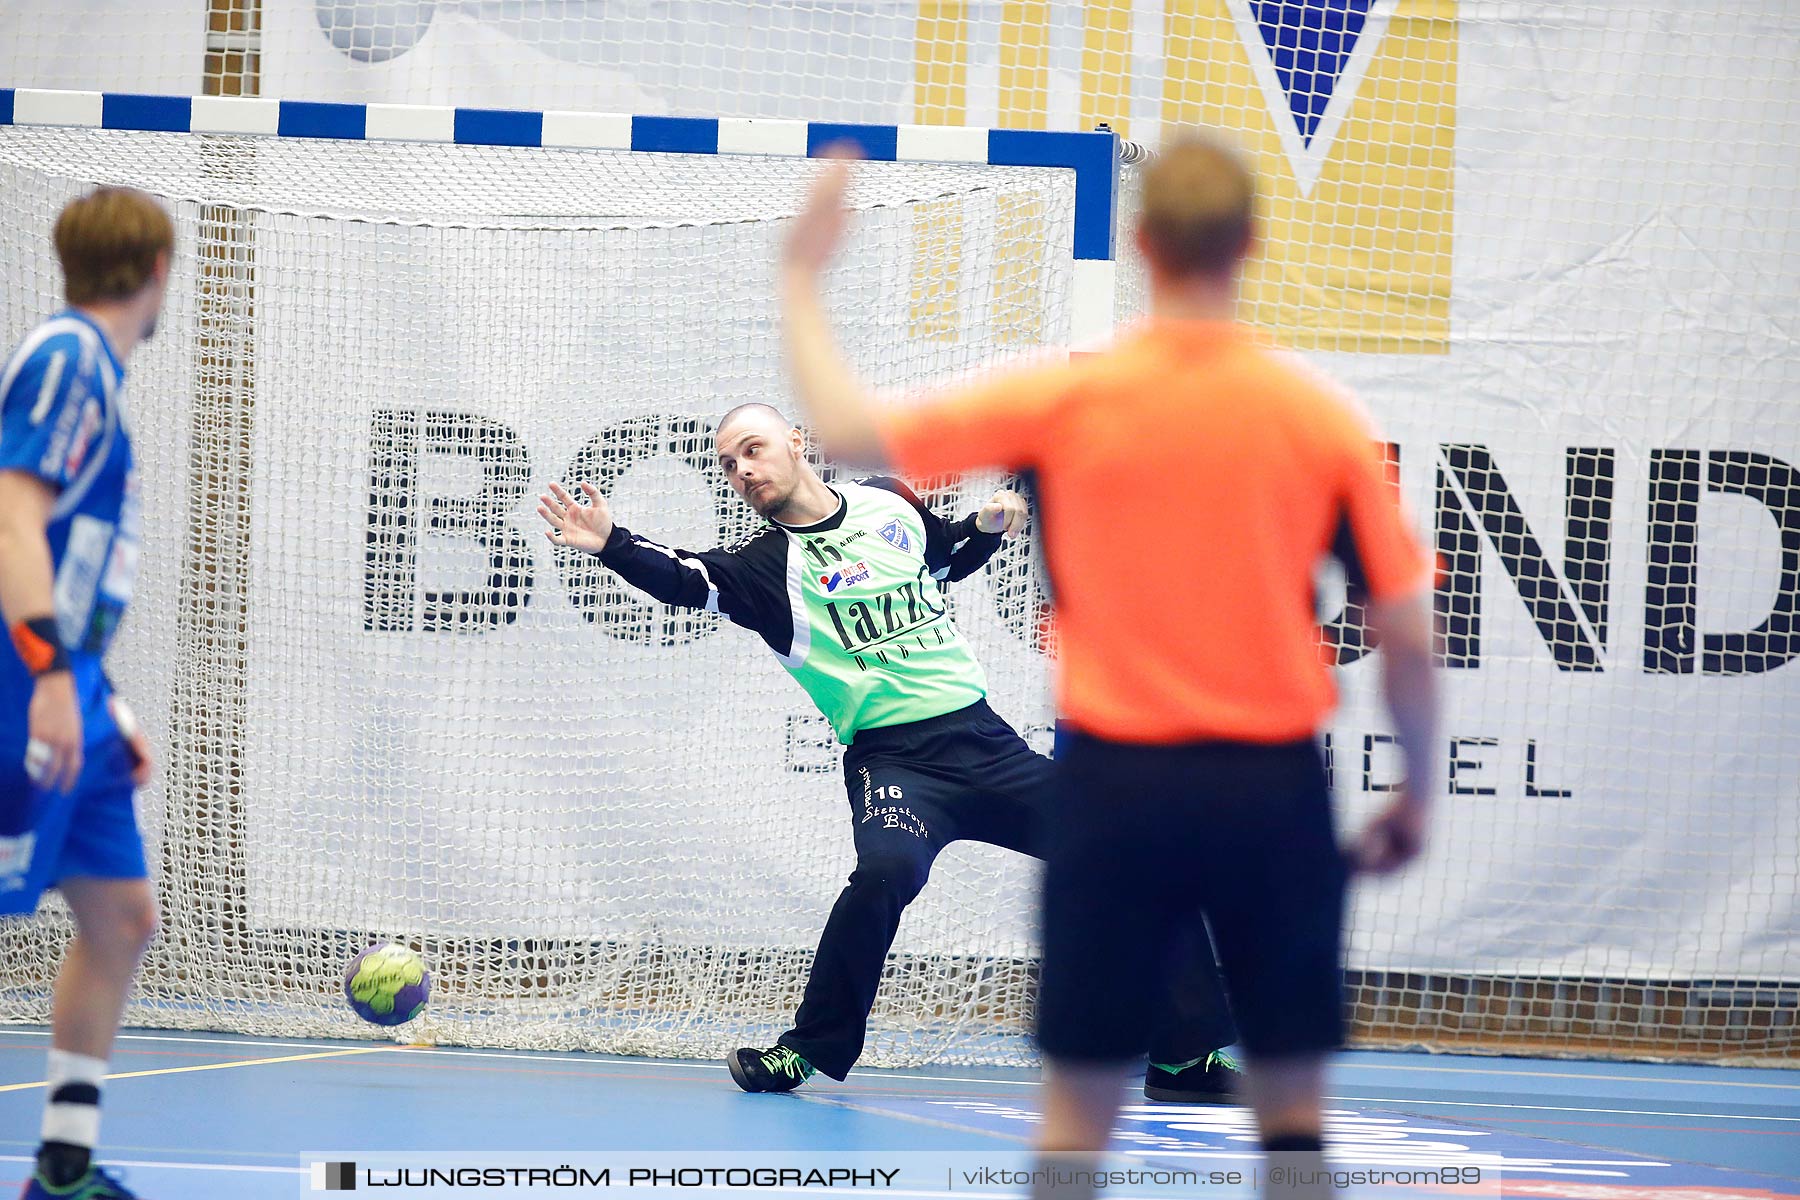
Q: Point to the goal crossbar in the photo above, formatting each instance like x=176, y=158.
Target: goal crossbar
x=1093, y=157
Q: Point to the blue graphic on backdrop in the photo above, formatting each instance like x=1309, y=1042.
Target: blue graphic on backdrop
x=1309, y=44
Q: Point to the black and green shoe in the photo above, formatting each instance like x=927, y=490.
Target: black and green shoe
x=95, y=1184
x=1211, y=1079
x=777, y=1069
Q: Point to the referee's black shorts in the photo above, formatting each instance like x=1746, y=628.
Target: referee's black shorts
x=1149, y=838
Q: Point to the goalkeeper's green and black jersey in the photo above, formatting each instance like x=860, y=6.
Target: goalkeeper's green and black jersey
x=854, y=606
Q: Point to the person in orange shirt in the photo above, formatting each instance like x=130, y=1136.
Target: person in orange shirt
x=1191, y=675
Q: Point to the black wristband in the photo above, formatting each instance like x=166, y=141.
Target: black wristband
x=970, y=527
x=39, y=644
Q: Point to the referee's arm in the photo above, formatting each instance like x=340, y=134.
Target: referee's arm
x=840, y=408
x=1403, y=630
x=1378, y=550
x=999, y=422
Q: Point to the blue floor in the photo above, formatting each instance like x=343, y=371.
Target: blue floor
x=199, y=1116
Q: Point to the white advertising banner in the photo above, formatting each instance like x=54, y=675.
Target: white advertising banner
x=103, y=45
x=692, y=57
x=1568, y=292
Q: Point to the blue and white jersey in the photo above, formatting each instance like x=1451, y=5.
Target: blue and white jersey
x=61, y=420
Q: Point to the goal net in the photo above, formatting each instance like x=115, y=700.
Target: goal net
x=390, y=709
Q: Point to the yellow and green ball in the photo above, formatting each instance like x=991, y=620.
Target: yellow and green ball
x=387, y=984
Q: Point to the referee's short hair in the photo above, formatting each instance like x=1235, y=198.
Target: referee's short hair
x=1199, y=208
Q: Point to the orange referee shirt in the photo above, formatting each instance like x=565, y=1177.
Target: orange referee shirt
x=1190, y=480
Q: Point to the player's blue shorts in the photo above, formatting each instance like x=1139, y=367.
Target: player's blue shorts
x=51, y=836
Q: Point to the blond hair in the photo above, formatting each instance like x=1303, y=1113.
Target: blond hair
x=1199, y=207
x=108, y=242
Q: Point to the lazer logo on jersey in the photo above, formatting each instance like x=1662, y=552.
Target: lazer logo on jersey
x=1346, y=266
x=862, y=625
x=895, y=533
x=855, y=572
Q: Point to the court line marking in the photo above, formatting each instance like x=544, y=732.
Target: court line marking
x=600, y=1056
x=589, y=1056
x=1625, y=1125
x=918, y=1119
x=1617, y=1112
x=175, y=1166
x=537, y=1056
x=113, y=1147
x=1513, y=1073
x=222, y=1066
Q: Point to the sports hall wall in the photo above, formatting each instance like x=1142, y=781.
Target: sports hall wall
x=1553, y=248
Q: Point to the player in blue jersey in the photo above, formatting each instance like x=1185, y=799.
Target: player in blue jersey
x=70, y=756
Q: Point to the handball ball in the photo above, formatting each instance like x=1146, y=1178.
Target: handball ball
x=372, y=31
x=387, y=984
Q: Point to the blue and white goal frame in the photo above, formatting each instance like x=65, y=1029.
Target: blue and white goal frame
x=1093, y=157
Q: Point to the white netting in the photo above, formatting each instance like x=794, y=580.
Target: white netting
x=390, y=708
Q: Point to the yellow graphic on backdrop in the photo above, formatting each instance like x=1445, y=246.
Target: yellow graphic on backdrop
x=941, y=63
x=937, y=236
x=1356, y=259
x=1362, y=261
x=1025, y=64
x=1106, y=65
x=1016, y=307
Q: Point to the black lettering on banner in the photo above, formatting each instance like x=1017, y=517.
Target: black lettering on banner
x=1461, y=767
x=1570, y=609
x=391, y=531
x=1531, y=780
x=603, y=598
x=1673, y=539
x=393, y=599
x=811, y=746
x=1369, y=782
x=1348, y=634
x=1673, y=644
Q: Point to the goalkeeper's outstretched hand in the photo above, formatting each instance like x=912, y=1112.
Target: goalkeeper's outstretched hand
x=1005, y=513
x=572, y=523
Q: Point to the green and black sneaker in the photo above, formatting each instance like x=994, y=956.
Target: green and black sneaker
x=1210, y=1079
x=777, y=1069
x=95, y=1184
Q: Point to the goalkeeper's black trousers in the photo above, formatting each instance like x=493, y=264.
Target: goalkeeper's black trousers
x=914, y=789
